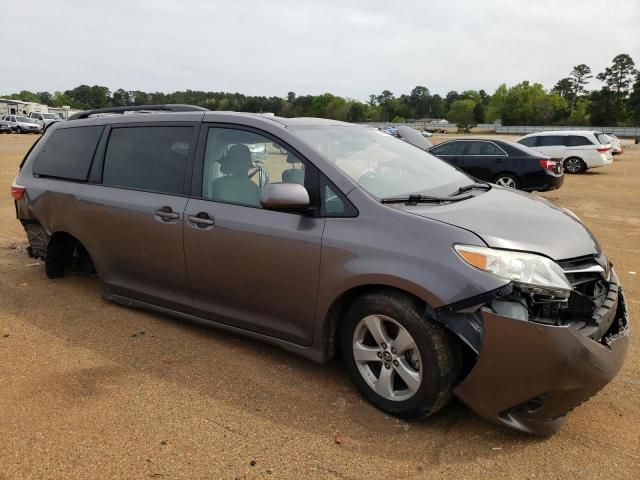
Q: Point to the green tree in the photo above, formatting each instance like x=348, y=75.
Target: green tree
x=319, y=105
x=419, y=100
x=337, y=109
x=44, y=98
x=358, y=111
x=606, y=109
x=580, y=76
x=634, y=102
x=496, y=104
x=619, y=75
x=462, y=113
x=564, y=87
x=527, y=104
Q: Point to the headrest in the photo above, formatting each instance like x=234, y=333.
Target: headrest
x=237, y=161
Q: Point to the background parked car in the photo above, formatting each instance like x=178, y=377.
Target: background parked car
x=22, y=124
x=413, y=137
x=584, y=149
x=393, y=131
x=44, y=119
x=616, y=146
x=505, y=163
x=5, y=127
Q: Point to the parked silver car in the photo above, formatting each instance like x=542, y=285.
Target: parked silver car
x=20, y=124
x=44, y=119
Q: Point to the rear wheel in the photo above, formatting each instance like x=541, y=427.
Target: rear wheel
x=574, y=165
x=506, y=180
x=400, y=361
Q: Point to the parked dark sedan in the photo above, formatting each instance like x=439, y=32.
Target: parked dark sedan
x=505, y=163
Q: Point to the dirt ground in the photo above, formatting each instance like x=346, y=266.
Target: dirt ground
x=89, y=389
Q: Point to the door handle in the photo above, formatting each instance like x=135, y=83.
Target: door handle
x=166, y=214
x=201, y=220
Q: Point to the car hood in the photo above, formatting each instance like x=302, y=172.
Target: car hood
x=509, y=219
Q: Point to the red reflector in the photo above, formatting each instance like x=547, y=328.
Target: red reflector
x=603, y=150
x=17, y=191
x=548, y=164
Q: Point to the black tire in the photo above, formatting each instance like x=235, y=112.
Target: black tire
x=574, y=165
x=439, y=351
x=503, y=178
x=18, y=130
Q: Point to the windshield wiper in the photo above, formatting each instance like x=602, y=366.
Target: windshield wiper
x=416, y=198
x=472, y=186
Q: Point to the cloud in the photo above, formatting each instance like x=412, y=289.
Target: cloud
x=350, y=48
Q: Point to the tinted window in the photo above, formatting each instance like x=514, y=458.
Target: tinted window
x=577, y=141
x=68, y=153
x=550, y=140
x=528, y=142
x=603, y=138
x=238, y=164
x=484, y=148
x=450, y=148
x=148, y=158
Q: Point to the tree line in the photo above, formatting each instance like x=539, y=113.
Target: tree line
x=569, y=102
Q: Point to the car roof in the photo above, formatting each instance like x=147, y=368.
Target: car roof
x=563, y=132
x=472, y=139
x=206, y=116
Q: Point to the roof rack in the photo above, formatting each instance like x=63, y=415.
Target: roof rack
x=138, y=108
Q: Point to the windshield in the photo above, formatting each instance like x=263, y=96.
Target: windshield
x=383, y=165
x=23, y=119
x=50, y=116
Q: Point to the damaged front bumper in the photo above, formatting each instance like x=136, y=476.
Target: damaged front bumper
x=529, y=375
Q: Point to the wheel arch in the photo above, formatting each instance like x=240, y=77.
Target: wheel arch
x=65, y=250
x=331, y=321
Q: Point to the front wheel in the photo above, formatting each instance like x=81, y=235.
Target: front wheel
x=399, y=360
x=18, y=130
x=574, y=165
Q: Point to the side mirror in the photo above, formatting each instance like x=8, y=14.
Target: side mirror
x=284, y=196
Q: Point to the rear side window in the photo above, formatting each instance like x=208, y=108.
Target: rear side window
x=484, y=148
x=449, y=148
x=550, y=140
x=148, y=158
x=68, y=153
x=578, y=141
x=603, y=138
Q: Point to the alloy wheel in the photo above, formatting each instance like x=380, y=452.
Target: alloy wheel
x=573, y=165
x=506, y=182
x=387, y=357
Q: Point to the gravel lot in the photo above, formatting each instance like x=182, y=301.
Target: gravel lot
x=89, y=389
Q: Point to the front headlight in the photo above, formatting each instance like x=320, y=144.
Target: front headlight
x=530, y=272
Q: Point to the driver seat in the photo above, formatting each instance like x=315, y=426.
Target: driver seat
x=236, y=186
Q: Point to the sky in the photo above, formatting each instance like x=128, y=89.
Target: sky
x=345, y=47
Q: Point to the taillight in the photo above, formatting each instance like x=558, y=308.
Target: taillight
x=17, y=191
x=603, y=150
x=548, y=164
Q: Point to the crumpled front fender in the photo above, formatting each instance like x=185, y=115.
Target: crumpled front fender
x=529, y=375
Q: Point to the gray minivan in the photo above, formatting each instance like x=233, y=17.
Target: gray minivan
x=323, y=237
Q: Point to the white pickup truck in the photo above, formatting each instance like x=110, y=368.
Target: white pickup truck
x=44, y=119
